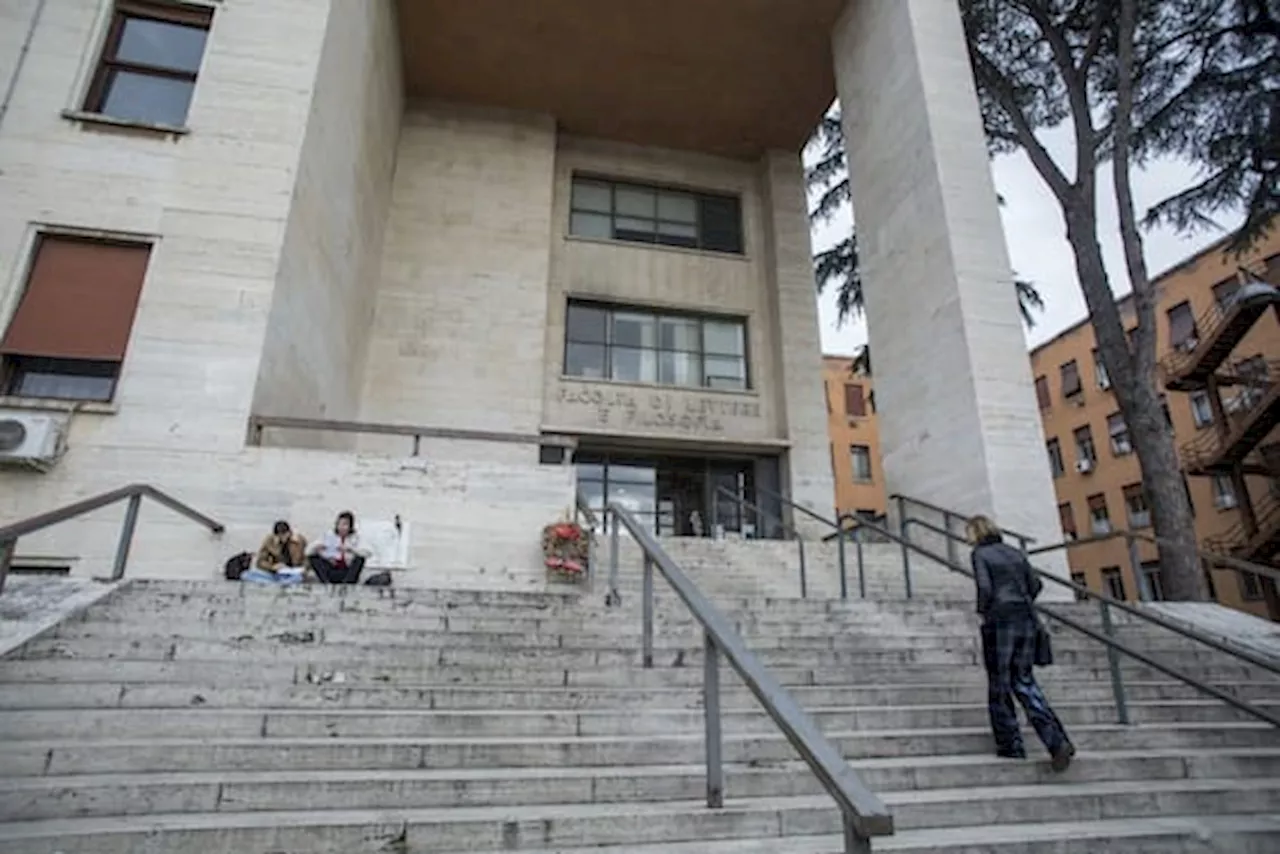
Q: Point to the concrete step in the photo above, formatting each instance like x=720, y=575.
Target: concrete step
x=550, y=826
x=30, y=798
x=255, y=753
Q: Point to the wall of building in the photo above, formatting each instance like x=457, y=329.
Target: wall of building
x=313, y=357
x=1193, y=280
x=847, y=430
x=458, y=330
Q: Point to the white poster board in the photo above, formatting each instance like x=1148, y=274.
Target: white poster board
x=388, y=544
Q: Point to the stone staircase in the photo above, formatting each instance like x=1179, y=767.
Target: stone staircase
x=215, y=717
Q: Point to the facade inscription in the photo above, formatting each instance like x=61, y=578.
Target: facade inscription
x=658, y=410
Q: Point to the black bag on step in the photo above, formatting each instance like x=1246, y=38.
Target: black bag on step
x=379, y=579
x=237, y=566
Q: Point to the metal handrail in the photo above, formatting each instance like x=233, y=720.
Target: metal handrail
x=10, y=534
x=1207, y=326
x=258, y=423
x=747, y=505
x=1024, y=540
x=864, y=815
x=1265, y=513
x=1203, y=449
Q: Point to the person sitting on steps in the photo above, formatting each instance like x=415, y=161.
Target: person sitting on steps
x=339, y=558
x=283, y=548
x=1007, y=587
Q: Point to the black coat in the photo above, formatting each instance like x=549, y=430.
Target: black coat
x=1004, y=579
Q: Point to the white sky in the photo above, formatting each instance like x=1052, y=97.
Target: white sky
x=1037, y=242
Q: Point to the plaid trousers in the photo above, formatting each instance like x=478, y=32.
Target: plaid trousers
x=1008, y=651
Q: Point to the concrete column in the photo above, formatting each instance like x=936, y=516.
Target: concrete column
x=788, y=256
x=959, y=423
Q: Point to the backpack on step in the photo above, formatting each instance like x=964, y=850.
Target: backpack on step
x=237, y=566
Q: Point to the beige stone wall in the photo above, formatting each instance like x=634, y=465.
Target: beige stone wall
x=313, y=357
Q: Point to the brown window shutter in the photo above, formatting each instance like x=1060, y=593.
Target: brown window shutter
x=80, y=300
x=1042, y=393
x=855, y=403
x=1071, y=379
x=1068, y=519
x=1182, y=323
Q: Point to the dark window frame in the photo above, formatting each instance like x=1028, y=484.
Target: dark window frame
x=1094, y=503
x=1153, y=579
x=1067, y=521
x=855, y=392
x=1136, y=505
x=1072, y=385
x=109, y=62
x=1083, y=438
x=1121, y=441
x=701, y=199
x=16, y=367
x=1113, y=583
x=1192, y=331
x=1057, y=463
x=865, y=450
x=1043, y=396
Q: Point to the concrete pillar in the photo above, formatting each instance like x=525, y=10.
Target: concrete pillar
x=959, y=423
x=788, y=258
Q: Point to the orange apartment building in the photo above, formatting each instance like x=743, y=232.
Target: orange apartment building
x=855, y=441
x=1219, y=342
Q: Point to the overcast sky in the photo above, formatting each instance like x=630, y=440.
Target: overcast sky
x=1037, y=241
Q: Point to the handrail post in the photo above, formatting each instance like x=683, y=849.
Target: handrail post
x=1113, y=662
x=612, y=521
x=7, y=548
x=711, y=709
x=906, y=557
x=840, y=550
x=126, y=536
x=1135, y=566
x=862, y=577
x=853, y=843
x=804, y=575
x=647, y=597
x=951, y=543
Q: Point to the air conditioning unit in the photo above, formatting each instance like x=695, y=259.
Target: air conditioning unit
x=1084, y=466
x=31, y=440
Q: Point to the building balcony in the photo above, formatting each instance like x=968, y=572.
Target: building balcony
x=1260, y=545
x=1252, y=411
x=1218, y=332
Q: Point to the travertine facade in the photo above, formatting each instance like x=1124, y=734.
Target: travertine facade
x=353, y=227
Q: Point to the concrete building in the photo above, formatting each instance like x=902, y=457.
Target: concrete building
x=285, y=257
x=857, y=466
x=1096, y=473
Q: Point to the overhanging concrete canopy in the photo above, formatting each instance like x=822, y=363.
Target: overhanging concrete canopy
x=729, y=77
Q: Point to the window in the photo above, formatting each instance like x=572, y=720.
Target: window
x=640, y=347
x=1042, y=393
x=613, y=210
x=68, y=337
x=1119, y=433
x=1168, y=415
x=1054, y=448
x=1182, y=327
x=1250, y=587
x=1085, y=451
x=1152, y=582
x=855, y=404
x=1068, y=519
x=1100, y=372
x=1201, y=409
x=1082, y=580
x=1113, y=582
x=147, y=72
x=1071, y=379
x=1099, y=517
x=1224, y=292
x=1135, y=503
x=860, y=455
x=1224, y=492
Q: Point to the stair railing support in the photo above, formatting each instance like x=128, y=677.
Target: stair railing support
x=127, y=529
x=647, y=608
x=1113, y=663
x=711, y=707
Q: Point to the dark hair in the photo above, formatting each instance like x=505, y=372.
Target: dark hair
x=349, y=516
x=280, y=528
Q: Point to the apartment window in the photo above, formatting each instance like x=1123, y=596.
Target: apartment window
x=855, y=403
x=1224, y=492
x=1250, y=586
x=1135, y=503
x=1182, y=327
x=1067, y=517
x=1082, y=580
x=1099, y=516
x=640, y=347
x=1042, y=393
x=613, y=210
x=1152, y=582
x=1225, y=291
x=68, y=337
x=1056, y=465
x=1071, y=379
x=1119, y=433
x=1100, y=372
x=1113, y=582
x=147, y=71
x=860, y=456
x=1085, y=451
x=1201, y=409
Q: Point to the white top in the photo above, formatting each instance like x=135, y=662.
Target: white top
x=340, y=549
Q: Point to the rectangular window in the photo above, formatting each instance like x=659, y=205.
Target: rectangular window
x=1119, y=433
x=1085, y=451
x=68, y=337
x=613, y=210
x=1225, y=291
x=1201, y=409
x=1224, y=492
x=1082, y=580
x=1152, y=582
x=1135, y=503
x=1042, y=393
x=1099, y=516
x=1250, y=586
x=1056, y=465
x=855, y=403
x=147, y=71
x=1113, y=582
x=1067, y=517
x=1071, y=379
x=1100, y=372
x=1182, y=327
x=640, y=347
x=860, y=455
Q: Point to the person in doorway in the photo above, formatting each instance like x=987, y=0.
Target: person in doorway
x=1007, y=587
x=339, y=558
